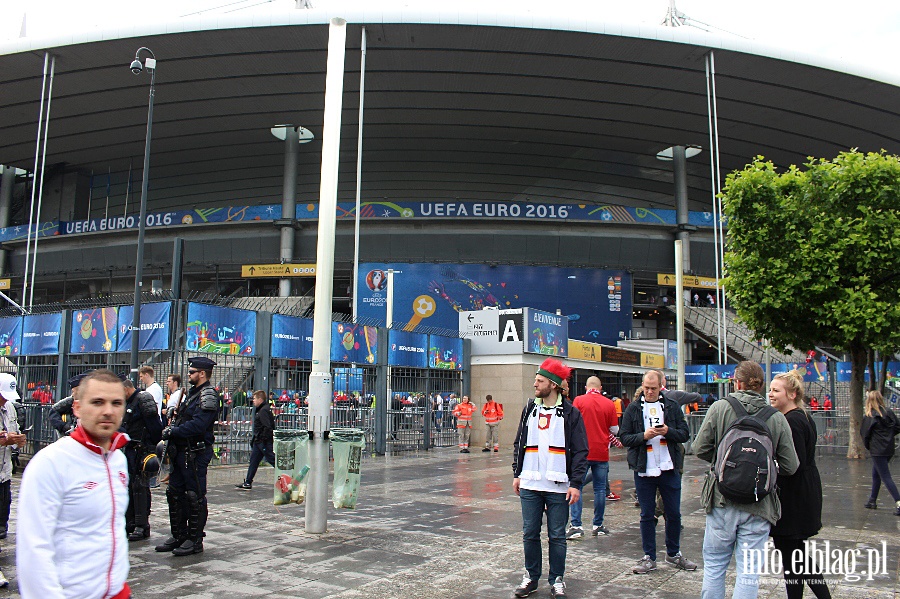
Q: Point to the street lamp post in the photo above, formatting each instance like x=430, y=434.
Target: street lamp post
x=137, y=67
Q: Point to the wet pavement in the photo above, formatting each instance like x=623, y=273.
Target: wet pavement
x=444, y=524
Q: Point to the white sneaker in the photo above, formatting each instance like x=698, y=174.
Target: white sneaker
x=574, y=532
x=3, y=581
x=558, y=589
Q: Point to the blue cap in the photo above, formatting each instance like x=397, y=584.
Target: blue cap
x=201, y=363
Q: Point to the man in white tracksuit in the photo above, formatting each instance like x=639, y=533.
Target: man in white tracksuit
x=79, y=550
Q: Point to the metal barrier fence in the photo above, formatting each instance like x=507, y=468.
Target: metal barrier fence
x=832, y=429
x=361, y=417
x=41, y=433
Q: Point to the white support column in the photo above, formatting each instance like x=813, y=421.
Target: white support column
x=320, y=383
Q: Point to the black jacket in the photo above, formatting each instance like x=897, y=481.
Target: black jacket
x=800, y=492
x=141, y=421
x=263, y=424
x=576, y=443
x=878, y=432
x=631, y=433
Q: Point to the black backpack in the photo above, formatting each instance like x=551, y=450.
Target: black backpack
x=745, y=467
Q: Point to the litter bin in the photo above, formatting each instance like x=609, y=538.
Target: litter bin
x=347, y=445
x=291, y=465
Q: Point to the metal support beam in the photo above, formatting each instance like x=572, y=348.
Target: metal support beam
x=289, y=203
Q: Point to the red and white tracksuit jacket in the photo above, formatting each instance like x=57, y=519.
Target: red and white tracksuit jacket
x=71, y=540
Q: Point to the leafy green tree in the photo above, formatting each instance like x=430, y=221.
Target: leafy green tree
x=813, y=257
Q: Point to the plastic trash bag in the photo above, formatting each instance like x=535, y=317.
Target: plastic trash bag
x=347, y=445
x=291, y=465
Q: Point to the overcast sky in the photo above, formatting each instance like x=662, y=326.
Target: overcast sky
x=863, y=32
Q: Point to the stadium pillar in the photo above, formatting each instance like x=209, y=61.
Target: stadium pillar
x=288, y=203
x=679, y=168
x=6, y=189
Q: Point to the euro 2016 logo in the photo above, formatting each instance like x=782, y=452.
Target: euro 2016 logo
x=376, y=280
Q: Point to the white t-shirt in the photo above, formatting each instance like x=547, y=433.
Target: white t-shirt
x=156, y=391
x=174, y=398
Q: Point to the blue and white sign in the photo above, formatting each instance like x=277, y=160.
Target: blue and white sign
x=546, y=333
x=217, y=330
x=407, y=349
x=155, y=326
x=10, y=336
x=695, y=373
x=445, y=352
x=292, y=337
x=40, y=334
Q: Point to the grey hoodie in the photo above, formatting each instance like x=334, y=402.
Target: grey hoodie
x=715, y=424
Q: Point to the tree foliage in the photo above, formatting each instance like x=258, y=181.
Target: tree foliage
x=813, y=256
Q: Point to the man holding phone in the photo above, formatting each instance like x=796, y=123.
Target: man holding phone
x=9, y=437
x=653, y=429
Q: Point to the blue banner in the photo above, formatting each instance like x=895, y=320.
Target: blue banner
x=292, y=337
x=812, y=371
x=716, y=373
x=546, y=333
x=40, y=334
x=94, y=331
x=596, y=302
x=376, y=210
x=407, y=349
x=844, y=371
x=347, y=381
x=695, y=373
x=217, y=330
x=353, y=343
x=155, y=326
x=10, y=336
x=445, y=352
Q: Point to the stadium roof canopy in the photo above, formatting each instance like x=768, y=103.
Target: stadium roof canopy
x=481, y=107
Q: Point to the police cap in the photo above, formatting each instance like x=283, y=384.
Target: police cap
x=76, y=380
x=201, y=363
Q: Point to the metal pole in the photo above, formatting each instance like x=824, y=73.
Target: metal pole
x=359, y=148
x=37, y=215
x=712, y=69
x=320, y=382
x=289, y=202
x=142, y=225
x=715, y=204
x=679, y=309
x=37, y=155
x=682, y=216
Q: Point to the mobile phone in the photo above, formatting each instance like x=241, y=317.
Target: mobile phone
x=659, y=426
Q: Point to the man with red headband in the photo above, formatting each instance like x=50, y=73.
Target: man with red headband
x=549, y=464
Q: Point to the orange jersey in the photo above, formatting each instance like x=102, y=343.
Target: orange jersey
x=463, y=413
x=492, y=412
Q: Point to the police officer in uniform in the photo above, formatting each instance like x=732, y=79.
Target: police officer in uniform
x=143, y=427
x=191, y=438
x=61, y=416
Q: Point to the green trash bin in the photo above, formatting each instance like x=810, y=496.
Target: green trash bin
x=291, y=465
x=347, y=445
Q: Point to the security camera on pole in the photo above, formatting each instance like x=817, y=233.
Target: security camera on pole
x=137, y=67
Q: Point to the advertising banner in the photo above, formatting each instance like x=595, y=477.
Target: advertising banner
x=812, y=371
x=546, y=333
x=597, y=303
x=671, y=354
x=695, y=373
x=353, y=343
x=94, y=331
x=156, y=326
x=10, y=336
x=407, y=349
x=653, y=361
x=445, y=352
x=292, y=337
x=217, y=330
x=845, y=369
x=720, y=373
x=40, y=334
x=582, y=350
x=493, y=332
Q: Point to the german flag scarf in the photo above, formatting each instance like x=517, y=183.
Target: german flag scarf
x=545, y=449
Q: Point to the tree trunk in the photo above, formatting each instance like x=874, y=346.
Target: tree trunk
x=882, y=376
x=870, y=365
x=858, y=359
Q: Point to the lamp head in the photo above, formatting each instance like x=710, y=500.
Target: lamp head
x=136, y=66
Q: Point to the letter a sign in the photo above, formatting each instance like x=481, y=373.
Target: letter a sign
x=509, y=332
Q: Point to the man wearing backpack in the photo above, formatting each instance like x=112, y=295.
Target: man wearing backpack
x=740, y=508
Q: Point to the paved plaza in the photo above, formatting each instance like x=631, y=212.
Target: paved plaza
x=444, y=524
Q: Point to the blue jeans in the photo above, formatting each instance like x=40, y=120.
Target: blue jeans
x=881, y=473
x=257, y=452
x=533, y=503
x=669, y=485
x=729, y=529
x=599, y=471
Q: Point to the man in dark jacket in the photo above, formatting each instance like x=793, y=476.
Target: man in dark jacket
x=653, y=429
x=143, y=427
x=263, y=439
x=549, y=464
